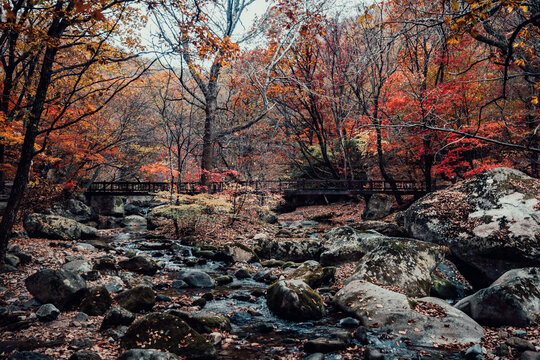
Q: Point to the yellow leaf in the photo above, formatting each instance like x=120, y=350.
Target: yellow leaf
x=455, y=5
x=534, y=100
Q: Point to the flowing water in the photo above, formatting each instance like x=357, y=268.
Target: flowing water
x=260, y=334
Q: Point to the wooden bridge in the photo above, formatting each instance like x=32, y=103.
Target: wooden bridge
x=286, y=187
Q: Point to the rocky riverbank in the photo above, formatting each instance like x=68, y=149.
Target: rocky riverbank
x=301, y=288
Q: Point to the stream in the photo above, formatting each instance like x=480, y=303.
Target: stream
x=260, y=334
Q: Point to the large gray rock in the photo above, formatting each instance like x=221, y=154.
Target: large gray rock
x=404, y=263
x=513, y=299
x=377, y=207
x=83, y=267
x=426, y=321
x=146, y=354
x=490, y=222
x=196, y=278
x=139, y=298
x=57, y=228
x=202, y=321
x=134, y=221
x=238, y=252
x=313, y=274
x=96, y=301
x=170, y=333
x=73, y=209
x=294, y=300
x=117, y=316
x=290, y=250
x=345, y=244
x=58, y=287
x=139, y=264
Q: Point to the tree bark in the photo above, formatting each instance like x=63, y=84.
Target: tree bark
x=207, y=160
x=27, y=151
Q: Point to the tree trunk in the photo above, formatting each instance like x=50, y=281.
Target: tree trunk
x=207, y=160
x=428, y=162
x=27, y=151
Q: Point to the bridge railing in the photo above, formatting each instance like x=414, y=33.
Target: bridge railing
x=128, y=187
x=274, y=186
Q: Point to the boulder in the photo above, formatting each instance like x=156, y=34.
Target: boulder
x=73, y=209
x=196, y=278
x=345, y=244
x=291, y=250
x=96, y=301
x=134, y=221
x=62, y=288
x=382, y=227
x=490, y=223
x=56, y=227
x=203, y=322
x=139, y=264
x=294, y=300
x=238, y=252
x=170, y=333
x=47, y=312
x=313, y=274
x=117, y=316
x=106, y=266
x=404, y=263
x=139, y=298
x=513, y=299
x=82, y=267
x=377, y=207
x=146, y=354
x=425, y=321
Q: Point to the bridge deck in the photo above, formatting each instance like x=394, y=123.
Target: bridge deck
x=286, y=187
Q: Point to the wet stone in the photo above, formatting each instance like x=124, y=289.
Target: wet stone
x=241, y=318
x=349, y=322
x=323, y=345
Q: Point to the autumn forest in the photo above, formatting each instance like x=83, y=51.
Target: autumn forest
x=432, y=93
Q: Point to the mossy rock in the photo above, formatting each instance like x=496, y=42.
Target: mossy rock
x=203, y=322
x=313, y=274
x=442, y=288
x=295, y=300
x=209, y=247
x=96, y=301
x=207, y=254
x=170, y=333
x=140, y=298
x=224, y=280
x=273, y=263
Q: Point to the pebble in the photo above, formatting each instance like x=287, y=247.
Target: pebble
x=80, y=317
x=163, y=298
x=215, y=338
